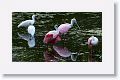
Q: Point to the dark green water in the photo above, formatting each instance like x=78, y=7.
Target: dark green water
x=75, y=40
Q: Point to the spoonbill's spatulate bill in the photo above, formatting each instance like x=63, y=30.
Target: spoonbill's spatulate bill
x=92, y=41
x=27, y=23
x=62, y=51
x=31, y=30
x=63, y=28
x=52, y=37
x=27, y=37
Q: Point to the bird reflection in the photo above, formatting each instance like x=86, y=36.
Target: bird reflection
x=74, y=56
x=51, y=56
x=29, y=38
x=62, y=51
x=59, y=53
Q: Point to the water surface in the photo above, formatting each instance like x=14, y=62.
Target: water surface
x=74, y=42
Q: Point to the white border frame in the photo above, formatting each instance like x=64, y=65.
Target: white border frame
x=104, y=67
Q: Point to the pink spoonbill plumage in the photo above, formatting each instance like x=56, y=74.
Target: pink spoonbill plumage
x=63, y=28
x=52, y=37
x=92, y=41
x=62, y=51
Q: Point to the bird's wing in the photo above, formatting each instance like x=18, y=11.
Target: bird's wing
x=26, y=23
x=54, y=32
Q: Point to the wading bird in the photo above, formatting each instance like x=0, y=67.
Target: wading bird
x=27, y=23
x=63, y=28
x=31, y=30
x=92, y=41
x=52, y=37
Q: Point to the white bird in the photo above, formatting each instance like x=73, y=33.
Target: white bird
x=31, y=30
x=27, y=23
x=92, y=41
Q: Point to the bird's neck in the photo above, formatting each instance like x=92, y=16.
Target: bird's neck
x=72, y=23
x=33, y=18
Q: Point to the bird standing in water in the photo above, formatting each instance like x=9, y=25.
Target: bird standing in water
x=63, y=28
x=27, y=23
x=31, y=30
x=52, y=37
x=92, y=41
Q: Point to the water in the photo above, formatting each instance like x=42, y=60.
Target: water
x=74, y=42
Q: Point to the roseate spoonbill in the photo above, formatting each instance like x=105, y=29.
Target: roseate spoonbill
x=92, y=41
x=62, y=51
x=31, y=30
x=52, y=37
x=27, y=37
x=27, y=23
x=63, y=28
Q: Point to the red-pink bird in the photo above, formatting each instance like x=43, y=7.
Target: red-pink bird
x=52, y=37
x=63, y=28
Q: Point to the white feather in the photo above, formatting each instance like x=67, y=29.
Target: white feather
x=31, y=30
x=27, y=23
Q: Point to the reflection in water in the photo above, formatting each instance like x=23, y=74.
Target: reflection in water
x=62, y=51
x=29, y=38
x=75, y=40
x=59, y=53
x=49, y=57
x=74, y=56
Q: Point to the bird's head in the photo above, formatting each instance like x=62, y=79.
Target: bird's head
x=74, y=21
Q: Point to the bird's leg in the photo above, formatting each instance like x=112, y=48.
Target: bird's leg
x=90, y=54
